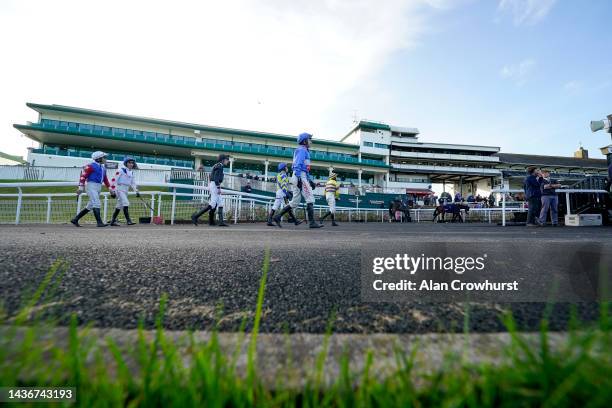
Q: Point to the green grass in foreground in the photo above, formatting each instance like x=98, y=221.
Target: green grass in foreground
x=577, y=374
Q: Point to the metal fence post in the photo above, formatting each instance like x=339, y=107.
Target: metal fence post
x=152, y=205
x=19, y=200
x=48, y=209
x=504, y=209
x=159, y=205
x=105, y=208
x=173, y=206
x=79, y=202
x=236, y=205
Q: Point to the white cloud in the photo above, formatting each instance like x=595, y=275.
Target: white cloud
x=573, y=86
x=520, y=72
x=526, y=12
x=267, y=65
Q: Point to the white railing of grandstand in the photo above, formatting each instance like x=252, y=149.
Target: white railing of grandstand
x=566, y=191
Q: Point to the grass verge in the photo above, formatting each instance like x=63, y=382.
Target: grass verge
x=156, y=371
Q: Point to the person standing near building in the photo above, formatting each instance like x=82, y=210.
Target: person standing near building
x=332, y=192
x=216, y=199
x=533, y=195
x=121, y=183
x=550, y=200
x=301, y=182
x=92, y=177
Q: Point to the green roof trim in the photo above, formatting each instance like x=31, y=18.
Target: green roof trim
x=190, y=146
x=373, y=125
x=161, y=122
x=18, y=159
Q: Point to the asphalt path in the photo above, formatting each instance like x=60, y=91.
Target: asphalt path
x=211, y=276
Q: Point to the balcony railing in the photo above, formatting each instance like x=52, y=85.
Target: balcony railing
x=193, y=143
x=161, y=161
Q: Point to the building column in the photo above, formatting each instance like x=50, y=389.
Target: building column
x=386, y=180
x=231, y=168
x=359, y=177
x=330, y=169
x=266, y=164
x=443, y=185
x=197, y=162
x=461, y=186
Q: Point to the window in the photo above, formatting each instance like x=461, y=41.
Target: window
x=368, y=144
x=381, y=146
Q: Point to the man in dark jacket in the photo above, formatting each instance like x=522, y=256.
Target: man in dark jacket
x=550, y=201
x=533, y=195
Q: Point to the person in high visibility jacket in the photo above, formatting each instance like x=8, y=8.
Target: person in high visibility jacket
x=282, y=195
x=332, y=192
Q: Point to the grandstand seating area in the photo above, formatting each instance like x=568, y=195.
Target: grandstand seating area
x=192, y=142
x=85, y=153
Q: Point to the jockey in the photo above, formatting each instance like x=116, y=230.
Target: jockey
x=282, y=194
x=302, y=184
x=216, y=200
x=121, y=183
x=92, y=177
x=332, y=192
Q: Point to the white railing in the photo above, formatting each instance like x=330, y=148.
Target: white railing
x=566, y=191
x=44, y=173
x=48, y=207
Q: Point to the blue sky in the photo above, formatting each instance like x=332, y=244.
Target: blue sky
x=479, y=76
x=525, y=75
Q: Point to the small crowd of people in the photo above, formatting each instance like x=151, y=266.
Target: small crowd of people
x=541, y=196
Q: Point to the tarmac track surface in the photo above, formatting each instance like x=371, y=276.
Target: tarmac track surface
x=211, y=275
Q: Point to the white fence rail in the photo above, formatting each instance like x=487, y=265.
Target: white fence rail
x=39, y=173
x=173, y=205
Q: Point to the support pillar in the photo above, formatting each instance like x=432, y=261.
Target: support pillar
x=330, y=169
x=267, y=165
x=461, y=186
x=231, y=168
x=197, y=162
x=359, y=177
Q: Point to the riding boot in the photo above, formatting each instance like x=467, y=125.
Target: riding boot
x=96, y=212
x=270, y=223
x=75, y=220
x=126, y=212
x=114, y=222
x=211, y=216
x=333, y=218
x=279, y=216
x=196, y=215
x=327, y=214
x=310, y=210
x=292, y=218
x=221, y=221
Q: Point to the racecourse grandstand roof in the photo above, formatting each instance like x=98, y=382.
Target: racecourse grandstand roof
x=550, y=161
x=91, y=112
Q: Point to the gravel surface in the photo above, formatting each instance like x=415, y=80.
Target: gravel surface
x=211, y=275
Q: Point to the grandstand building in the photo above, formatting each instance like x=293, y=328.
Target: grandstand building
x=371, y=157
